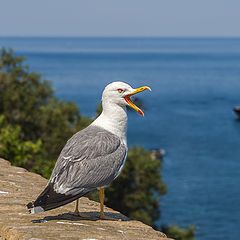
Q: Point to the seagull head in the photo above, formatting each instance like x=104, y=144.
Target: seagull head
x=120, y=93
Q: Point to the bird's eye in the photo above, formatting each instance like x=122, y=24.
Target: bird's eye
x=120, y=90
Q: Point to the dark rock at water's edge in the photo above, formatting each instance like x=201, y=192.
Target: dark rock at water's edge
x=237, y=111
x=158, y=153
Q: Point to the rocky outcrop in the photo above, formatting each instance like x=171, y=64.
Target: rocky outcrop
x=18, y=187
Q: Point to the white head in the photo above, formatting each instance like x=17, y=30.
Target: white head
x=119, y=93
x=115, y=98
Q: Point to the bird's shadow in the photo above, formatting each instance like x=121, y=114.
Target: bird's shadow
x=90, y=216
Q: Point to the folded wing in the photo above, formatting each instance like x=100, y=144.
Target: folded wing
x=91, y=158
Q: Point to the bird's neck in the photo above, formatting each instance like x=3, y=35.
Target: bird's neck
x=114, y=119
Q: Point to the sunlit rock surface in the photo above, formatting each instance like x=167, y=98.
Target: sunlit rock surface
x=18, y=187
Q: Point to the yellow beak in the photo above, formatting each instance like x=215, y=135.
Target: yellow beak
x=131, y=104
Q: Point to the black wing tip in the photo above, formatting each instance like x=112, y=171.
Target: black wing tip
x=50, y=199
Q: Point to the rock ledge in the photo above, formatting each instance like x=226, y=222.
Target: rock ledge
x=18, y=187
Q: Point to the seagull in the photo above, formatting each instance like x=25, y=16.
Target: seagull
x=93, y=157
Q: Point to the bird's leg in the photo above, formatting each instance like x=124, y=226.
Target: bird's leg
x=76, y=208
x=101, y=198
x=77, y=213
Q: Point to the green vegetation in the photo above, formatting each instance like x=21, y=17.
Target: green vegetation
x=27, y=103
x=178, y=233
x=35, y=125
x=19, y=151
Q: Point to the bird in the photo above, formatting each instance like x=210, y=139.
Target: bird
x=93, y=157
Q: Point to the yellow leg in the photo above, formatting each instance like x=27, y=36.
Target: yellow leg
x=101, y=198
x=76, y=208
x=77, y=213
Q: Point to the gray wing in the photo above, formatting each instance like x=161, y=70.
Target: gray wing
x=91, y=158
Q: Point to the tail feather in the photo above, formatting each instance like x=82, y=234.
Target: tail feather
x=49, y=199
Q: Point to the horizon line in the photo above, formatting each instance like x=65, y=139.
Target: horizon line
x=109, y=36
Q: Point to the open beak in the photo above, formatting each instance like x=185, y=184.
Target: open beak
x=129, y=101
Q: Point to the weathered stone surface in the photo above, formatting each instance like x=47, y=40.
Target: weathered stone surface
x=18, y=187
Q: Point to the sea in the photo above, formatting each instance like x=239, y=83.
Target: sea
x=195, y=85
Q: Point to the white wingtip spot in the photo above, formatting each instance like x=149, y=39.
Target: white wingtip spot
x=36, y=210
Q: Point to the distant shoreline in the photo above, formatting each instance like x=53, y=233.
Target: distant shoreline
x=126, y=37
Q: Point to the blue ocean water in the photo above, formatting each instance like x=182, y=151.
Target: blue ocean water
x=195, y=83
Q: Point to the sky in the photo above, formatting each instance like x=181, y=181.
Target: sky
x=160, y=18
